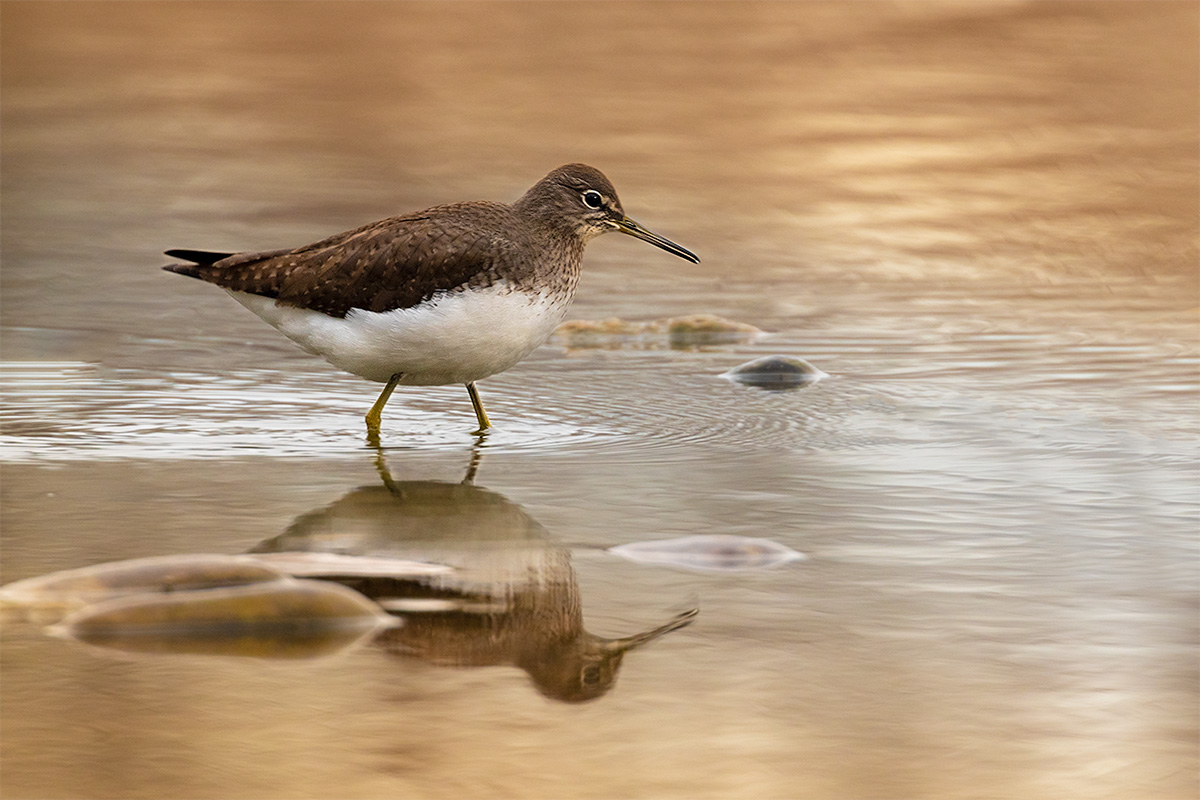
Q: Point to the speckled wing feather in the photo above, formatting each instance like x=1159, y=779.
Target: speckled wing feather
x=390, y=264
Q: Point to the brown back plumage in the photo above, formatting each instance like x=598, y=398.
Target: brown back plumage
x=390, y=264
x=535, y=244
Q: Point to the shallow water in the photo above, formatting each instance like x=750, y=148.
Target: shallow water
x=980, y=219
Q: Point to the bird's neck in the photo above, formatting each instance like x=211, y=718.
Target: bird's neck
x=558, y=245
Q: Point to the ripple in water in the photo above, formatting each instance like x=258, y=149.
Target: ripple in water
x=67, y=411
x=70, y=411
x=651, y=405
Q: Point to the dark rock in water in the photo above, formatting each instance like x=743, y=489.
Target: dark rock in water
x=710, y=553
x=776, y=373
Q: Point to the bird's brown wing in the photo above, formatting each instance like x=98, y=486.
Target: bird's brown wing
x=390, y=264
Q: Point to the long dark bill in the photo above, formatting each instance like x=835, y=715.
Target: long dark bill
x=626, y=225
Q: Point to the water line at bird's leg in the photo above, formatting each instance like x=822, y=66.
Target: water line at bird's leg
x=375, y=415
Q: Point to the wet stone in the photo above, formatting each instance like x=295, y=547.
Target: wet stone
x=776, y=373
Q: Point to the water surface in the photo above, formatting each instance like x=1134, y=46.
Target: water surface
x=980, y=219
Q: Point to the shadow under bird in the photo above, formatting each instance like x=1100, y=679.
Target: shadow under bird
x=451, y=294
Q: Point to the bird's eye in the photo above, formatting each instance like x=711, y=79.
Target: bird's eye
x=592, y=199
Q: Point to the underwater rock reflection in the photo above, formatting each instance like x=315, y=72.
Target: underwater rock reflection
x=511, y=599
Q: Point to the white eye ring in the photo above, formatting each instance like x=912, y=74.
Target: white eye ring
x=593, y=199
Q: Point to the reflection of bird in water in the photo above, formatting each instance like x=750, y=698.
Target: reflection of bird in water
x=513, y=598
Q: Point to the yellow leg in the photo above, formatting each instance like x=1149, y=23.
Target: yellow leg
x=480, y=414
x=376, y=413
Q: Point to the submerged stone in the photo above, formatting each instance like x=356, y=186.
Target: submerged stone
x=283, y=619
x=693, y=330
x=707, y=329
x=710, y=553
x=49, y=597
x=778, y=373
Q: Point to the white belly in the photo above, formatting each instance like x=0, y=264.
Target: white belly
x=457, y=337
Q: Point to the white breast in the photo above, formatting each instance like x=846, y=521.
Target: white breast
x=457, y=337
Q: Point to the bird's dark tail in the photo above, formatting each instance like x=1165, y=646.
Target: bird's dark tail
x=199, y=258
